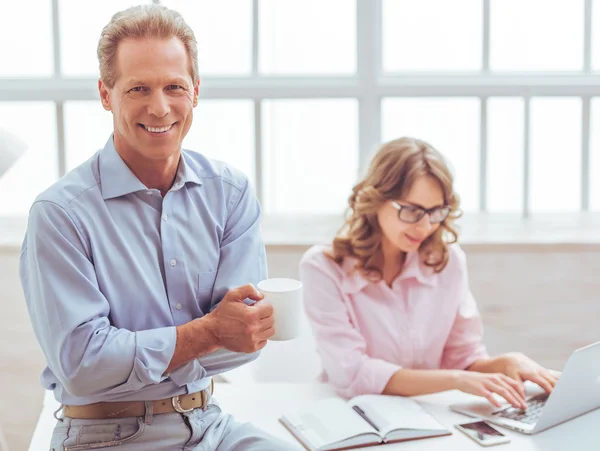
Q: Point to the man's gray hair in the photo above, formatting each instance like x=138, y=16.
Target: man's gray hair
x=144, y=21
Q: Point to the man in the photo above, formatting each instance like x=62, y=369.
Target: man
x=130, y=262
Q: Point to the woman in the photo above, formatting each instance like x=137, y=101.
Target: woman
x=389, y=301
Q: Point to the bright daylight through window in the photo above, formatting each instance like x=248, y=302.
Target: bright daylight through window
x=298, y=90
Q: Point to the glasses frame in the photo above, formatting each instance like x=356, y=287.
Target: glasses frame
x=426, y=211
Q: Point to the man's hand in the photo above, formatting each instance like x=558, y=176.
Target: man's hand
x=239, y=327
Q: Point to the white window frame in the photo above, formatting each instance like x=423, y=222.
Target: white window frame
x=369, y=85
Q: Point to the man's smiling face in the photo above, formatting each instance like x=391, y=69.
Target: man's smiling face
x=152, y=99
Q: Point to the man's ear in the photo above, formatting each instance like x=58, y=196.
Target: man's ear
x=196, y=90
x=104, y=96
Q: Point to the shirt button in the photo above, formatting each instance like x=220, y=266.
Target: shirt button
x=165, y=217
x=178, y=306
x=173, y=262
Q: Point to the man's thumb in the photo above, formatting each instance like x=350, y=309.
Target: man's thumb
x=244, y=292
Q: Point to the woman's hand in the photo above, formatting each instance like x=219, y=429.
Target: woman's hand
x=486, y=384
x=521, y=368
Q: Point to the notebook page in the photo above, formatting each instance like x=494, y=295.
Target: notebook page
x=395, y=412
x=328, y=421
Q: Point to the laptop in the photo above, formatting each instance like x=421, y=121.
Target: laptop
x=576, y=392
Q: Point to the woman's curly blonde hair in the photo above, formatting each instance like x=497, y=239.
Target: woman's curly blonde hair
x=392, y=173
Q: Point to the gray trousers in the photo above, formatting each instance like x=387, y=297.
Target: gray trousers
x=198, y=430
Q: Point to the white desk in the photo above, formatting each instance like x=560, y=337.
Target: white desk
x=262, y=404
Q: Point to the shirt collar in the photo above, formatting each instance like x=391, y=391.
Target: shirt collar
x=415, y=269
x=354, y=281
x=185, y=173
x=116, y=179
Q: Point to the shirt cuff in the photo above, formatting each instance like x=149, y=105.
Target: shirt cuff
x=379, y=373
x=471, y=358
x=188, y=373
x=372, y=379
x=154, y=350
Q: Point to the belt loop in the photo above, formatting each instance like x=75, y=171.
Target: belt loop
x=148, y=412
x=55, y=413
x=204, y=397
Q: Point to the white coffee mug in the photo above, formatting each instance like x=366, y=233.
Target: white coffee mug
x=285, y=295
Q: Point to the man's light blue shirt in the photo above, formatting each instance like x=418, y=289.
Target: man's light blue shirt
x=109, y=268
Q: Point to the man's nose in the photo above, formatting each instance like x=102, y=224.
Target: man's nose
x=158, y=105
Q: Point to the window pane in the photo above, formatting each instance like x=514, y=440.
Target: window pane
x=416, y=39
x=31, y=54
x=87, y=128
x=223, y=31
x=536, y=35
x=449, y=124
x=224, y=130
x=307, y=36
x=555, y=154
x=310, y=154
x=37, y=169
x=595, y=155
x=80, y=32
x=505, y=154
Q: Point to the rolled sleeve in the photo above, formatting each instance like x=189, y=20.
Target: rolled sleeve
x=342, y=348
x=210, y=365
x=153, y=352
x=223, y=360
x=70, y=314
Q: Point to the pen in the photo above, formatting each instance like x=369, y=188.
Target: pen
x=364, y=416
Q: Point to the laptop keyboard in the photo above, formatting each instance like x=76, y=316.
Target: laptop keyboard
x=529, y=415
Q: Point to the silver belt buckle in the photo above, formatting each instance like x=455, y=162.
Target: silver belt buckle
x=176, y=403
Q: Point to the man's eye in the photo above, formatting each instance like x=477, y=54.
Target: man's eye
x=137, y=89
x=172, y=87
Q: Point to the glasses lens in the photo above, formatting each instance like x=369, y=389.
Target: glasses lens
x=438, y=215
x=411, y=214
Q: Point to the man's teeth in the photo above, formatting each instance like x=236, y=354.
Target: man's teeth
x=158, y=130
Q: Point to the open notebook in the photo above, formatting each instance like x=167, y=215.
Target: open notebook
x=335, y=424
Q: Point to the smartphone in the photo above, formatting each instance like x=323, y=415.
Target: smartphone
x=483, y=433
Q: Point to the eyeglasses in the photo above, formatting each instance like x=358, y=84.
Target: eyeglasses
x=413, y=214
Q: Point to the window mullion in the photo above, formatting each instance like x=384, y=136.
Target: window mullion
x=258, y=151
x=59, y=105
x=585, y=154
x=526, y=156
x=483, y=156
x=255, y=36
x=485, y=57
x=368, y=60
x=587, y=37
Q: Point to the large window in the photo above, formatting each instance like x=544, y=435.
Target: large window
x=299, y=93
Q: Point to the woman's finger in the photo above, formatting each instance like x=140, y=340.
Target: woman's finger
x=490, y=397
x=541, y=381
x=517, y=384
x=550, y=378
x=507, y=392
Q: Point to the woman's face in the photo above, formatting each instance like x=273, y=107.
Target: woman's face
x=426, y=193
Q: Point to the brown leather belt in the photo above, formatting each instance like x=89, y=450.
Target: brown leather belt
x=122, y=409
